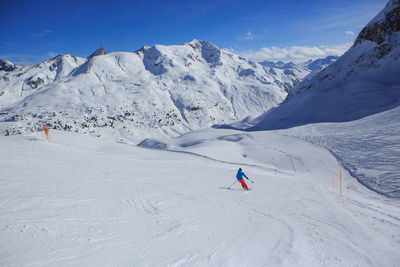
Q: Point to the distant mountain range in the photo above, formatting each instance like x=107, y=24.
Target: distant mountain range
x=298, y=72
x=152, y=92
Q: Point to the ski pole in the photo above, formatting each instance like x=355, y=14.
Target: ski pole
x=250, y=180
x=232, y=184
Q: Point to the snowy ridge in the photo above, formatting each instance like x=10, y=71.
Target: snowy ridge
x=18, y=82
x=155, y=91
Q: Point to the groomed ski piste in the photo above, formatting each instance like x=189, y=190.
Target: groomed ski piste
x=80, y=200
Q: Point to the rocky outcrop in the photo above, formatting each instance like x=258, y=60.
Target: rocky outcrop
x=55, y=62
x=7, y=66
x=211, y=54
x=35, y=82
x=378, y=31
x=98, y=52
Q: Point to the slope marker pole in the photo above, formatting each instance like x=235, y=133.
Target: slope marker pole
x=340, y=182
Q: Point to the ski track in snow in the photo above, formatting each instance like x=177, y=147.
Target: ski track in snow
x=83, y=201
x=368, y=148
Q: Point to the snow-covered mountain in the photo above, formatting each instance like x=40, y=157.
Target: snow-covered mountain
x=155, y=91
x=7, y=66
x=320, y=64
x=293, y=73
x=289, y=73
x=362, y=82
x=18, y=82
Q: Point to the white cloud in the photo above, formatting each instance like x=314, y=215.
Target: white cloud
x=40, y=34
x=296, y=54
x=52, y=54
x=247, y=37
x=349, y=32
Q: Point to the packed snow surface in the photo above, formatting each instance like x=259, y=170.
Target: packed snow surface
x=85, y=201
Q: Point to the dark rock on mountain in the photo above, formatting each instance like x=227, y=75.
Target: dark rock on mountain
x=378, y=31
x=99, y=52
x=7, y=66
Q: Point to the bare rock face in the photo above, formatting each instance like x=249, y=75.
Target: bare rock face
x=211, y=54
x=379, y=31
x=98, y=52
x=35, y=82
x=56, y=61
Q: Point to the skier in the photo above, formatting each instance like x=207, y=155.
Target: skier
x=239, y=176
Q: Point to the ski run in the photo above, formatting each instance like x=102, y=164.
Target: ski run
x=85, y=201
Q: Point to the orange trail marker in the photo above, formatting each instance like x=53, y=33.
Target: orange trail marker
x=46, y=132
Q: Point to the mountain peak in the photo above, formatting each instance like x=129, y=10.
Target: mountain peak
x=7, y=65
x=195, y=43
x=143, y=48
x=99, y=52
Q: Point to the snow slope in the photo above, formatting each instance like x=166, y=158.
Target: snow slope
x=86, y=201
x=369, y=148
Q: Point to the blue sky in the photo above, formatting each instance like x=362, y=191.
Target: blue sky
x=32, y=31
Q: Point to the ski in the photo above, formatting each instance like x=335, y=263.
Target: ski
x=227, y=188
